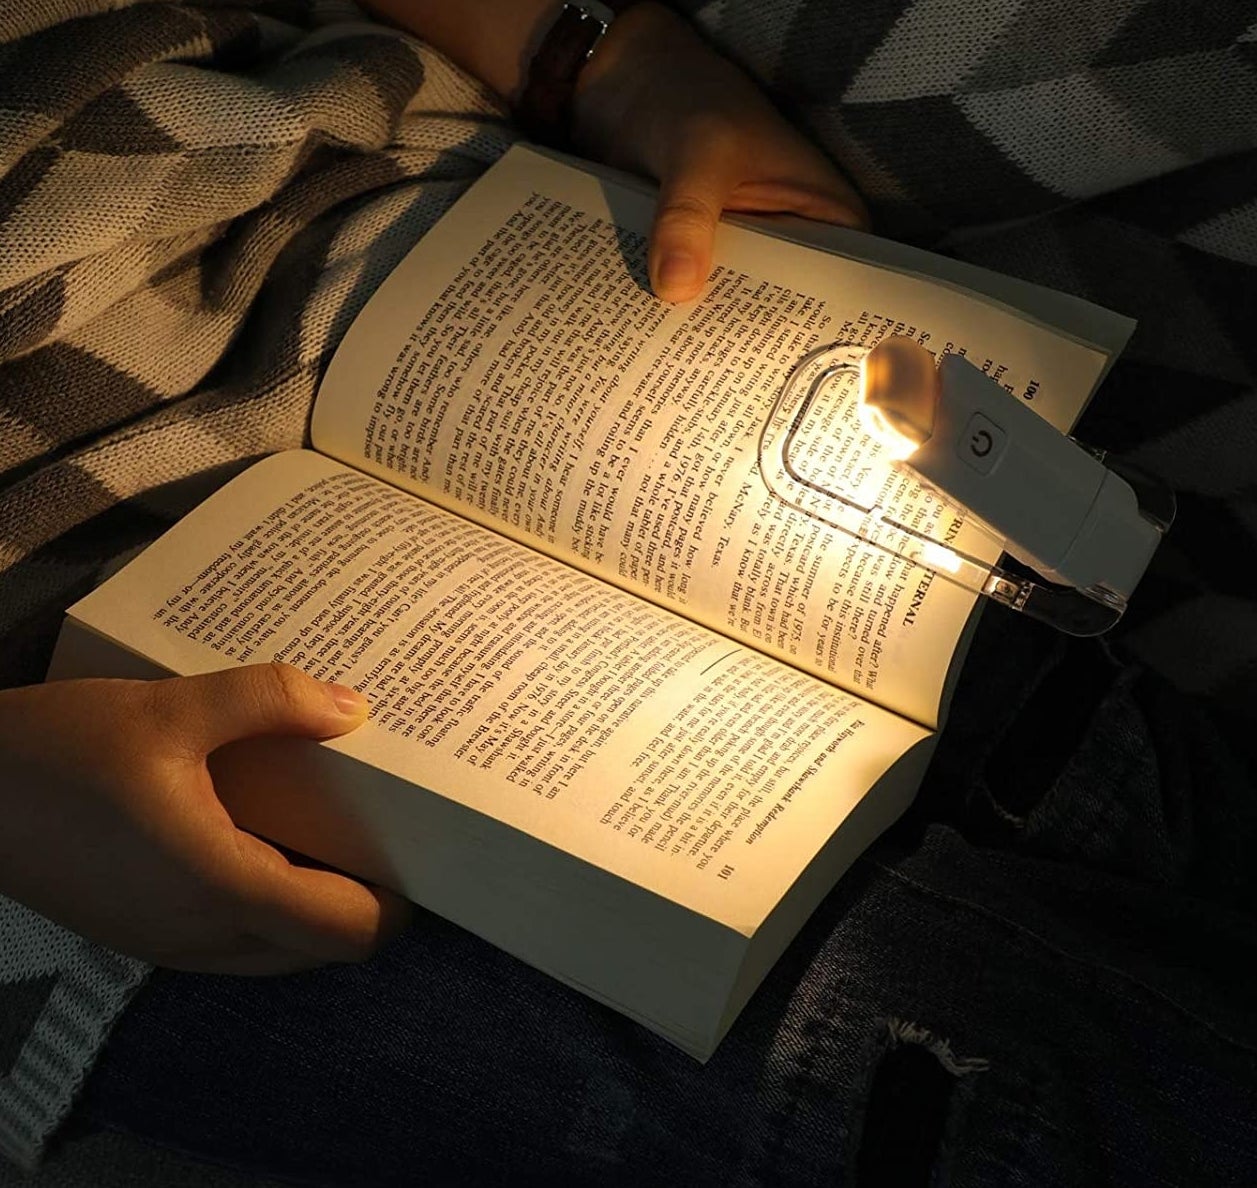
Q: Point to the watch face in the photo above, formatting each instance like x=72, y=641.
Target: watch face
x=596, y=10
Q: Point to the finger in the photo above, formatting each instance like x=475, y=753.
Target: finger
x=320, y=912
x=206, y=711
x=684, y=229
x=827, y=204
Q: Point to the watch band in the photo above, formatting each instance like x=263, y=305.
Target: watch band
x=545, y=107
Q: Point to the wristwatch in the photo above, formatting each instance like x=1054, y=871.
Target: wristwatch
x=545, y=107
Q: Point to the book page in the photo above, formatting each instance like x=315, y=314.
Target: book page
x=1059, y=313
x=517, y=686
x=516, y=368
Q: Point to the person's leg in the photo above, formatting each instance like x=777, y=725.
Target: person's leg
x=1041, y=969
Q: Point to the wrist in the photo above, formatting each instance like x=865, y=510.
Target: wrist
x=612, y=104
x=584, y=36
x=642, y=28
x=542, y=21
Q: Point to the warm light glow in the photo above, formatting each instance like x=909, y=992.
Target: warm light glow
x=937, y=556
x=898, y=391
x=886, y=435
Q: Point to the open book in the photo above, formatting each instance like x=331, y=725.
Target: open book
x=632, y=718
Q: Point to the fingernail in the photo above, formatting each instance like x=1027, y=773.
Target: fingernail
x=348, y=701
x=678, y=271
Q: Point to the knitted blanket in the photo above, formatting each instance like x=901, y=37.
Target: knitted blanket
x=195, y=200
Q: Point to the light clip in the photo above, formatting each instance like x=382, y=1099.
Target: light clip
x=995, y=477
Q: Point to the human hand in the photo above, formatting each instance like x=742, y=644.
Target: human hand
x=109, y=823
x=656, y=99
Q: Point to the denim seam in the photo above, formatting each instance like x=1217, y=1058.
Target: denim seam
x=804, y=1062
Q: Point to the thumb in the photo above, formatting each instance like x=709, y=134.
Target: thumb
x=684, y=230
x=215, y=708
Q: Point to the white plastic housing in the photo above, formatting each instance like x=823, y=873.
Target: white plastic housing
x=1058, y=509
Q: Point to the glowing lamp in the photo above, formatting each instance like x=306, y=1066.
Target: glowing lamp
x=1047, y=501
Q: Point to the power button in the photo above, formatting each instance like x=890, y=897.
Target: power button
x=981, y=444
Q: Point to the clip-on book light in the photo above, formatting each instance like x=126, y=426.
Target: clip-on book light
x=845, y=413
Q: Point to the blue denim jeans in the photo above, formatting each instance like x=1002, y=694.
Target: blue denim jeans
x=1040, y=976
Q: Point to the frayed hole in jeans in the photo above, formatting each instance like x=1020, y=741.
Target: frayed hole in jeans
x=909, y=1103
